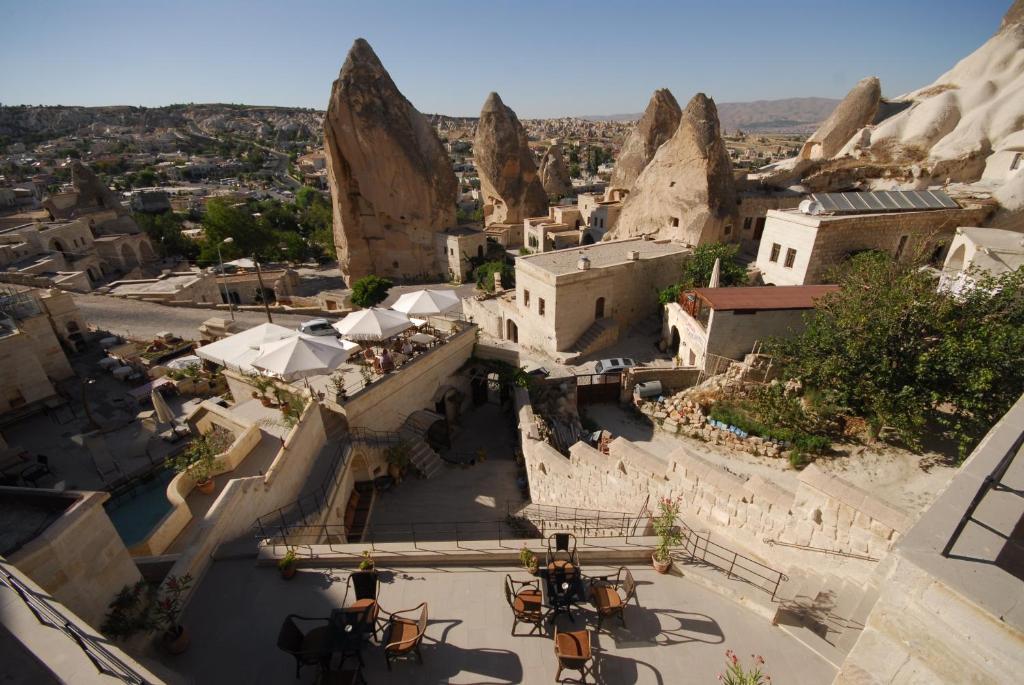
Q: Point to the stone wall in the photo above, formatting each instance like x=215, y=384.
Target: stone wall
x=672, y=380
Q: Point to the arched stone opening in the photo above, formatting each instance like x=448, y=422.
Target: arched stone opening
x=511, y=331
x=128, y=258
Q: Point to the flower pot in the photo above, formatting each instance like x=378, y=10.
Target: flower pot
x=176, y=641
x=532, y=569
x=267, y=402
x=661, y=566
x=206, y=487
x=288, y=572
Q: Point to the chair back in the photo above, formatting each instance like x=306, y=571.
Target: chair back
x=365, y=584
x=579, y=656
x=289, y=638
x=509, y=592
x=421, y=624
x=628, y=585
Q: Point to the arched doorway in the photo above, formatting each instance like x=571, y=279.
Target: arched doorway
x=511, y=331
x=599, y=308
x=128, y=258
x=957, y=259
x=146, y=251
x=57, y=246
x=588, y=239
x=674, y=344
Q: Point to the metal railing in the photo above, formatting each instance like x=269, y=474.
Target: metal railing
x=48, y=614
x=699, y=548
x=993, y=481
x=821, y=550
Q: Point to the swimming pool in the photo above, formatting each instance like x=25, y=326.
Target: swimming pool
x=136, y=511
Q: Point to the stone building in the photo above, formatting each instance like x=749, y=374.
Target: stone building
x=600, y=211
x=460, y=245
x=800, y=246
x=509, y=236
x=980, y=250
x=727, y=322
x=575, y=301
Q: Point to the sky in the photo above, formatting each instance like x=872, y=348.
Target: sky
x=546, y=59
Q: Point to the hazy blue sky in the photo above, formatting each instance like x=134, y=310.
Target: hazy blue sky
x=544, y=58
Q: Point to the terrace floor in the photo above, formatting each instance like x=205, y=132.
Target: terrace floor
x=679, y=632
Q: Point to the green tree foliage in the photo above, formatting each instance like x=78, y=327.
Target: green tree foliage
x=697, y=270
x=887, y=346
x=484, y=275
x=370, y=290
x=251, y=237
x=164, y=231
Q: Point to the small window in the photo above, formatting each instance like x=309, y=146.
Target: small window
x=526, y=298
x=1015, y=164
x=790, y=258
x=675, y=222
x=672, y=184
x=776, y=248
x=728, y=229
x=540, y=306
x=451, y=251
x=747, y=221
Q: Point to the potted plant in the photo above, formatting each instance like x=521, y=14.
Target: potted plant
x=366, y=563
x=200, y=460
x=287, y=564
x=130, y=611
x=168, y=608
x=737, y=674
x=668, y=533
x=338, y=383
x=528, y=559
x=398, y=460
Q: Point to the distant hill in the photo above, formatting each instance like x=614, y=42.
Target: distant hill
x=790, y=115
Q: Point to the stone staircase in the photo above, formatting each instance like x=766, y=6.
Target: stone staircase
x=601, y=334
x=825, y=612
x=414, y=431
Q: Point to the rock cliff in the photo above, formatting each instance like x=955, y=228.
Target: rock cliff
x=554, y=174
x=856, y=110
x=658, y=123
x=686, y=192
x=392, y=184
x=509, y=182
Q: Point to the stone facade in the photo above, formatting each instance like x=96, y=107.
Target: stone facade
x=459, y=246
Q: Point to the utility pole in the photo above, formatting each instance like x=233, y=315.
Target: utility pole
x=224, y=277
x=263, y=291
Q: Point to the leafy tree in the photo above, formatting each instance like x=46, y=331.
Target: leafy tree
x=697, y=270
x=370, y=290
x=889, y=347
x=305, y=196
x=250, y=236
x=164, y=231
x=484, y=275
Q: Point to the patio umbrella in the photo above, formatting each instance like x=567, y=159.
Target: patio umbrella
x=372, y=324
x=426, y=302
x=716, y=271
x=300, y=356
x=163, y=412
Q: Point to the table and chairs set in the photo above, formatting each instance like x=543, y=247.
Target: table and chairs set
x=560, y=587
x=335, y=643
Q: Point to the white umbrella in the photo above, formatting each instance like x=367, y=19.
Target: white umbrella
x=425, y=302
x=372, y=324
x=300, y=356
x=163, y=412
x=716, y=271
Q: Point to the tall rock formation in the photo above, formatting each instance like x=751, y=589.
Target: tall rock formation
x=658, y=123
x=856, y=110
x=554, y=174
x=509, y=182
x=93, y=199
x=392, y=184
x=686, y=192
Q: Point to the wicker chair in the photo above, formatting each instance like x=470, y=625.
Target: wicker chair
x=573, y=652
x=403, y=636
x=364, y=587
x=562, y=555
x=526, y=600
x=605, y=595
x=309, y=648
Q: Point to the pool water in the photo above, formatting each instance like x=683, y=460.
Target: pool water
x=136, y=511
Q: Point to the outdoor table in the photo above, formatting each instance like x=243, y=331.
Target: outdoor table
x=349, y=628
x=561, y=591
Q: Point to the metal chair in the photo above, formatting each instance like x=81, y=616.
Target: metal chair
x=404, y=635
x=574, y=653
x=309, y=648
x=563, y=554
x=527, y=603
x=365, y=587
x=605, y=595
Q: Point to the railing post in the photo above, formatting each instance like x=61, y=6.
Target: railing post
x=728, y=574
x=458, y=542
x=284, y=529
x=415, y=545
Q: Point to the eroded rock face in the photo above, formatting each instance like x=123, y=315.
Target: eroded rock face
x=856, y=111
x=554, y=174
x=392, y=184
x=658, y=123
x=93, y=199
x=686, y=192
x=509, y=182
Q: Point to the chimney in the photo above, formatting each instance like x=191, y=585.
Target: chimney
x=633, y=255
x=583, y=264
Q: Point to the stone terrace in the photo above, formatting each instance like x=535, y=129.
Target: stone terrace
x=679, y=630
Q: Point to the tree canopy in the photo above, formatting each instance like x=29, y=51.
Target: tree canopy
x=370, y=290
x=697, y=270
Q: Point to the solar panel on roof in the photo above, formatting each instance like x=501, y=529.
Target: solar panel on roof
x=884, y=201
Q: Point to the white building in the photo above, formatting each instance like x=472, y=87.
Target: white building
x=974, y=250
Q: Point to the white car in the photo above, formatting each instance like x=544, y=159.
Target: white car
x=316, y=327
x=613, y=365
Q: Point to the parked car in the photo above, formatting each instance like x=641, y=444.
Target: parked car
x=316, y=327
x=613, y=365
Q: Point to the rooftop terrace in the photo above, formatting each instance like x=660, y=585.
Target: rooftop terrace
x=601, y=255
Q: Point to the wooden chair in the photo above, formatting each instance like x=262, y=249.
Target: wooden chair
x=561, y=554
x=364, y=586
x=605, y=595
x=309, y=648
x=403, y=635
x=526, y=600
x=573, y=652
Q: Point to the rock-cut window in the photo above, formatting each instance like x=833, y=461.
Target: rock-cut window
x=776, y=248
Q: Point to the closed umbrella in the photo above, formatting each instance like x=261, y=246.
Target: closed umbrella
x=163, y=412
x=372, y=324
x=716, y=272
x=300, y=357
x=426, y=302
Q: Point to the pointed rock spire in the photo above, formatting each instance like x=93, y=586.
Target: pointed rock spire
x=658, y=123
x=554, y=175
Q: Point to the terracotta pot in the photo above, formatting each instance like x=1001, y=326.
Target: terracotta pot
x=206, y=487
x=267, y=402
x=176, y=641
x=288, y=572
x=661, y=566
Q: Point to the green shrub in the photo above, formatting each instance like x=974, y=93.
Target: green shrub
x=370, y=290
x=484, y=275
